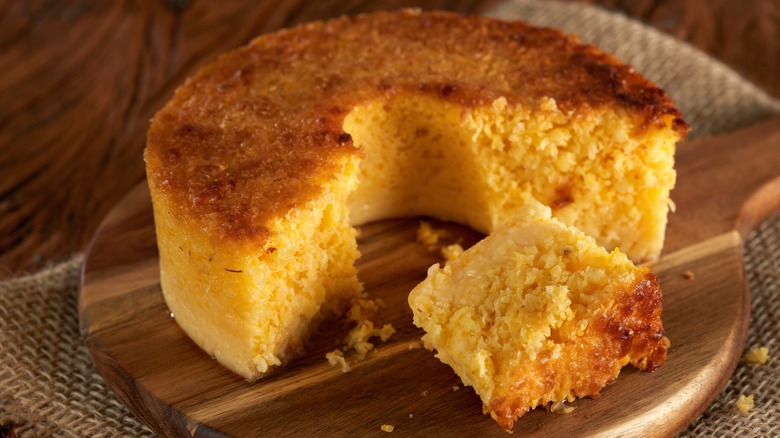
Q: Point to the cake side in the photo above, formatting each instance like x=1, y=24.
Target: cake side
x=538, y=314
x=250, y=305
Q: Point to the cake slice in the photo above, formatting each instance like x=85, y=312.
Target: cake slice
x=537, y=314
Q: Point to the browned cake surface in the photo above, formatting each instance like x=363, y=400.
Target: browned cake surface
x=633, y=331
x=254, y=134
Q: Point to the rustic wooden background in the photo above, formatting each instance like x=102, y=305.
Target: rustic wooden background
x=79, y=80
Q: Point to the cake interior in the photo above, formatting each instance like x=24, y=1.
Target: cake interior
x=426, y=156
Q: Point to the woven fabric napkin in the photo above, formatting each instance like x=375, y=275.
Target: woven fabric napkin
x=49, y=387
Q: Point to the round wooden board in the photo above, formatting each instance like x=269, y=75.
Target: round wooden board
x=178, y=390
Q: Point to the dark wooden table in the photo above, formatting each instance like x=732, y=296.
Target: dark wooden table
x=79, y=80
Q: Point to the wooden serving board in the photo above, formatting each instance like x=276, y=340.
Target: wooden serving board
x=726, y=185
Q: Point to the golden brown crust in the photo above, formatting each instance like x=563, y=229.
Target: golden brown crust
x=638, y=327
x=256, y=133
x=630, y=332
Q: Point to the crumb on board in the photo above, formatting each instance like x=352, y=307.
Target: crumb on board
x=758, y=355
x=362, y=313
x=451, y=252
x=456, y=388
x=424, y=393
x=411, y=415
x=689, y=275
x=745, y=404
x=358, y=337
x=387, y=427
x=336, y=357
x=427, y=235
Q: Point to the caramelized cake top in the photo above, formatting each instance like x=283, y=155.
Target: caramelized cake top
x=257, y=132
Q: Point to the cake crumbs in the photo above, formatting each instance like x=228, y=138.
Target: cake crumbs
x=363, y=313
x=689, y=275
x=745, y=404
x=758, y=355
x=427, y=235
x=336, y=357
x=424, y=393
x=387, y=428
x=358, y=338
x=456, y=388
x=411, y=415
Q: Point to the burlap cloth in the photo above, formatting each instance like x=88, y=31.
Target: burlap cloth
x=48, y=385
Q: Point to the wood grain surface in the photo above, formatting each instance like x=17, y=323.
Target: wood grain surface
x=81, y=78
x=178, y=390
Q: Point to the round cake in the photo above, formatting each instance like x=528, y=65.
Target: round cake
x=263, y=162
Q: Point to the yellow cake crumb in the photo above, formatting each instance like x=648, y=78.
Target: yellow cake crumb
x=689, y=275
x=387, y=427
x=757, y=355
x=745, y=404
x=358, y=337
x=451, y=252
x=363, y=313
x=427, y=235
x=336, y=357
